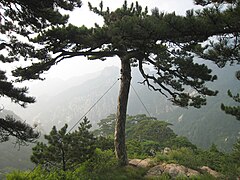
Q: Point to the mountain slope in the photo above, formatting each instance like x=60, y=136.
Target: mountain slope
x=11, y=155
x=202, y=126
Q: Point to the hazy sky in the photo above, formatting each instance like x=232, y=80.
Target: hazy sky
x=79, y=65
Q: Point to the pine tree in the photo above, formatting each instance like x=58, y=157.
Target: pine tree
x=65, y=150
x=20, y=20
x=232, y=110
x=167, y=42
x=54, y=154
x=83, y=143
x=18, y=129
x=225, y=49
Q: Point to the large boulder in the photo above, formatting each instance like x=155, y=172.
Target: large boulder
x=145, y=163
x=173, y=170
x=155, y=171
x=210, y=171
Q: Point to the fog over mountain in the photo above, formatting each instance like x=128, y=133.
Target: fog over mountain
x=60, y=102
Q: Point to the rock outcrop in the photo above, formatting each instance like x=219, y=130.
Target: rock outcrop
x=146, y=163
x=210, y=171
x=174, y=170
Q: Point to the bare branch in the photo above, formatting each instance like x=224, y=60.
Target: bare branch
x=147, y=77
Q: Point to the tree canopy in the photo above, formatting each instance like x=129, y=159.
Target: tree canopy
x=143, y=129
x=232, y=110
x=19, y=20
x=162, y=40
x=23, y=132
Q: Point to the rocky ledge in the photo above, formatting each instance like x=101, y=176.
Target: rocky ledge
x=172, y=169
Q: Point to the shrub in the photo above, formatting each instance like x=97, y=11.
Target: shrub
x=98, y=166
x=186, y=157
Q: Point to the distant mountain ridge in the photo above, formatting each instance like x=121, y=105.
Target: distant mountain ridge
x=202, y=126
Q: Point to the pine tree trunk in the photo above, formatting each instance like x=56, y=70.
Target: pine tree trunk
x=120, y=147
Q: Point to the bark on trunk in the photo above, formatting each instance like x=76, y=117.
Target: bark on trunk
x=120, y=147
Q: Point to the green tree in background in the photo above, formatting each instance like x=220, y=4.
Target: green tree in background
x=65, y=150
x=106, y=126
x=153, y=130
x=18, y=21
x=164, y=41
x=145, y=135
x=55, y=152
x=83, y=143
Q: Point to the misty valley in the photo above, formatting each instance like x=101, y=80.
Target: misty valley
x=187, y=131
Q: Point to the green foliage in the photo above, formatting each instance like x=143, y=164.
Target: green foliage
x=142, y=149
x=233, y=110
x=17, y=95
x=104, y=165
x=131, y=33
x=178, y=142
x=196, y=158
x=164, y=41
x=40, y=173
x=199, y=177
x=82, y=143
x=236, y=152
x=106, y=126
x=19, y=20
x=145, y=135
x=185, y=156
x=24, y=21
x=138, y=127
x=23, y=132
x=16, y=175
x=225, y=48
x=105, y=143
x=64, y=150
x=9, y=126
x=101, y=164
x=219, y=161
x=154, y=130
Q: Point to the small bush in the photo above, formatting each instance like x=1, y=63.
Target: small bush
x=98, y=166
x=16, y=175
x=160, y=157
x=186, y=157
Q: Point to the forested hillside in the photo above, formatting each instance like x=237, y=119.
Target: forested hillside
x=202, y=126
x=154, y=151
